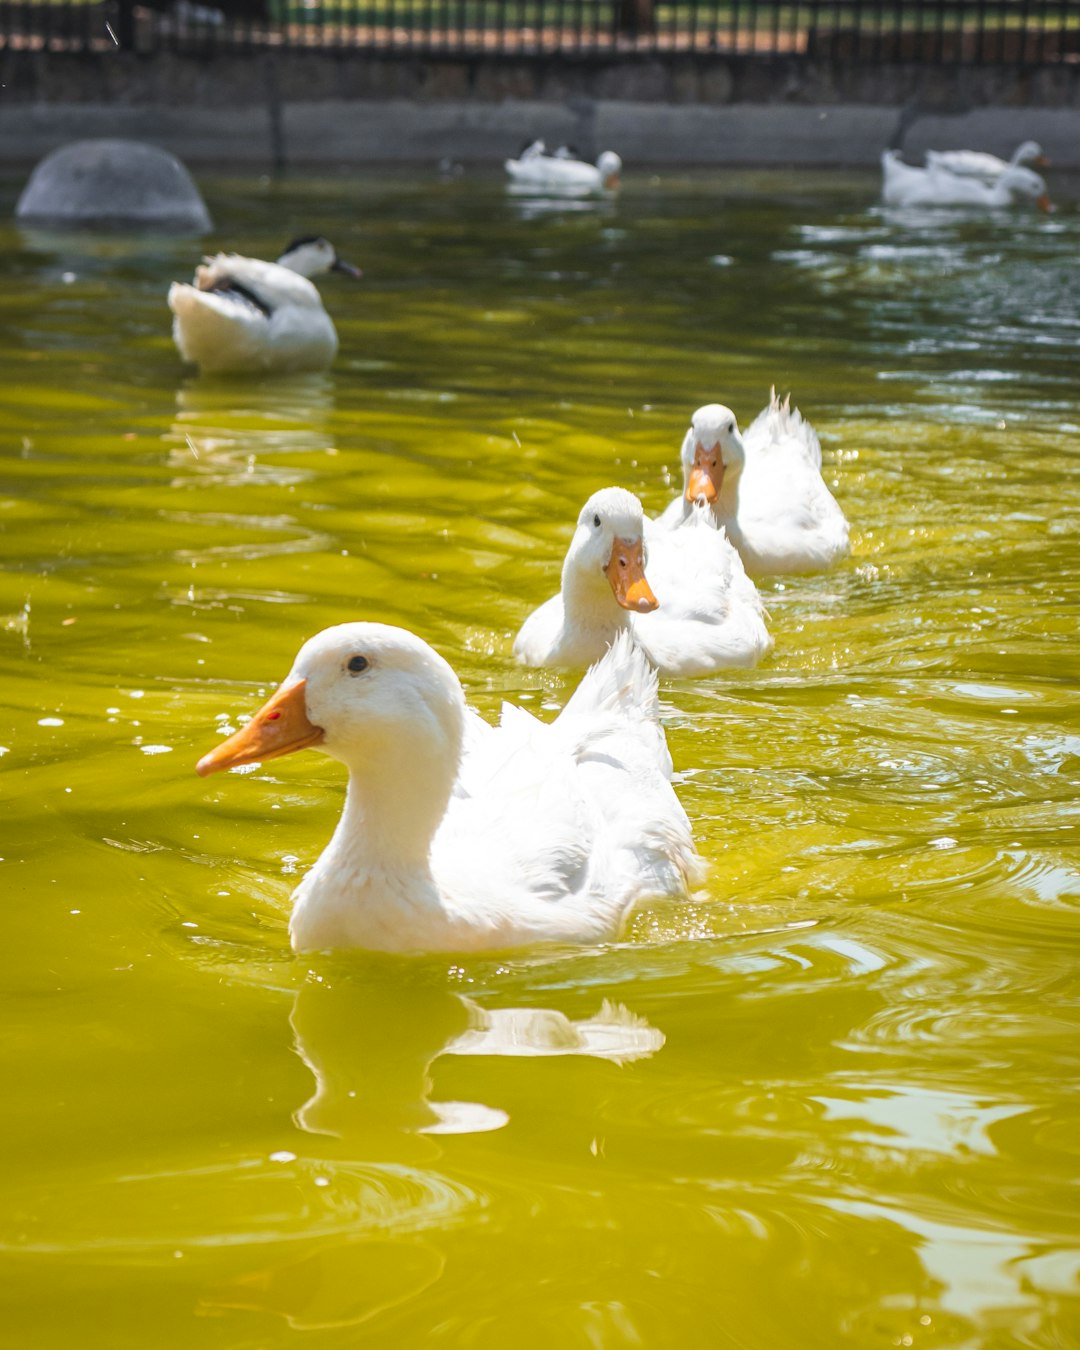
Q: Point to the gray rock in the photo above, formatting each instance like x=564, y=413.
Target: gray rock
x=113, y=182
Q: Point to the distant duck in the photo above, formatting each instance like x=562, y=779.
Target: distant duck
x=705, y=614
x=561, y=172
x=245, y=315
x=764, y=489
x=460, y=836
x=988, y=168
x=905, y=185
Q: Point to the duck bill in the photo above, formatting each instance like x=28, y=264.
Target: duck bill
x=626, y=572
x=340, y=265
x=279, y=727
x=1042, y=162
x=703, y=485
x=1045, y=204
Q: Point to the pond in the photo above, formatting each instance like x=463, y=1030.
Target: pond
x=831, y=1102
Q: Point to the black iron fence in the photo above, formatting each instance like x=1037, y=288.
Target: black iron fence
x=939, y=32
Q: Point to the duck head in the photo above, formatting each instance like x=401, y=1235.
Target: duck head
x=609, y=166
x=608, y=550
x=711, y=449
x=377, y=698
x=386, y=705
x=1031, y=152
x=1021, y=182
x=312, y=256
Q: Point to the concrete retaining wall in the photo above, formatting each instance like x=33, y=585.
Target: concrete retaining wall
x=309, y=109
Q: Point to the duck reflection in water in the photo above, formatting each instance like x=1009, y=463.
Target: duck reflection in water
x=532, y=203
x=227, y=434
x=371, y=1048
x=249, y=436
x=370, y=1037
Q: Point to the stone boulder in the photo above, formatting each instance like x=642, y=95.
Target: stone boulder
x=89, y=184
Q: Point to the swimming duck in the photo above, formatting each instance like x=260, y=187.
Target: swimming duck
x=905, y=185
x=988, y=168
x=766, y=491
x=460, y=836
x=560, y=172
x=243, y=314
x=706, y=615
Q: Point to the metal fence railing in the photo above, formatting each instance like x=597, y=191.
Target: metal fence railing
x=938, y=32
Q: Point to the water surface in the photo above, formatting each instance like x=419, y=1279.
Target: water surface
x=831, y=1102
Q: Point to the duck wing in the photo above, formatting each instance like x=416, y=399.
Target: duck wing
x=695, y=572
x=967, y=164
x=265, y=285
x=781, y=431
x=574, y=820
x=613, y=724
x=711, y=616
x=788, y=519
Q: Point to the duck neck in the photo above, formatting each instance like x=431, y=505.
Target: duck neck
x=1001, y=192
x=375, y=879
x=388, y=822
x=589, y=602
x=726, y=506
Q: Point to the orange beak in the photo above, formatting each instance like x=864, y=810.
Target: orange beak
x=1042, y=161
x=707, y=474
x=1045, y=204
x=278, y=728
x=626, y=572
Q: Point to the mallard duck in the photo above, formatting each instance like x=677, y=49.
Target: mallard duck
x=766, y=490
x=534, y=168
x=460, y=836
x=906, y=185
x=989, y=168
x=704, y=616
x=246, y=315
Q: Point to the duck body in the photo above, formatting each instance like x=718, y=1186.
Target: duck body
x=461, y=836
x=978, y=164
x=707, y=615
x=710, y=616
x=560, y=172
x=246, y=315
x=906, y=185
x=765, y=490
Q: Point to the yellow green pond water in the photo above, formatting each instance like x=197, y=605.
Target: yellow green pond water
x=830, y=1103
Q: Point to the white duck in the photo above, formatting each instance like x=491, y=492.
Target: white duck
x=979, y=164
x=457, y=835
x=766, y=490
x=905, y=185
x=708, y=615
x=560, y=172
x=243, y=314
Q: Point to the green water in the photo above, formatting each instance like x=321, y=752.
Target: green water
x=847, y=1115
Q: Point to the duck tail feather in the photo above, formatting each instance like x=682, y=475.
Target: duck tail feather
x=622, y=681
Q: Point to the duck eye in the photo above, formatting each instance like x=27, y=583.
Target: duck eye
x=357, y=664
x=596, y=521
